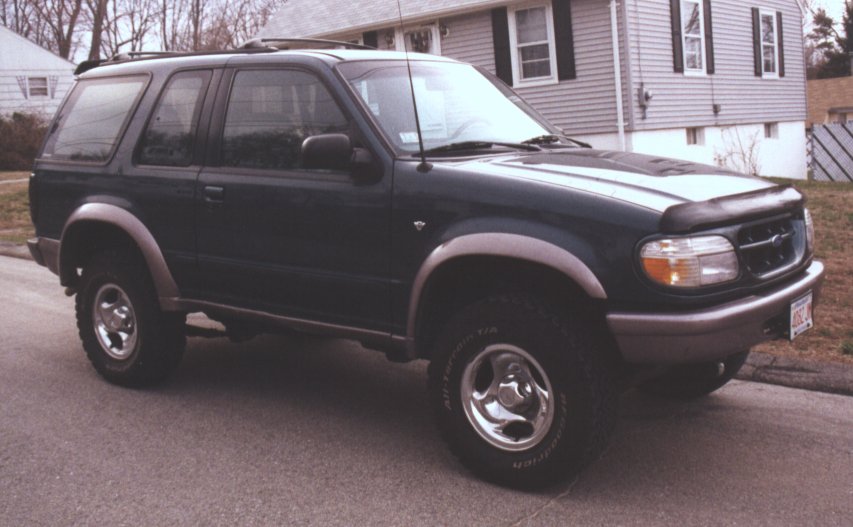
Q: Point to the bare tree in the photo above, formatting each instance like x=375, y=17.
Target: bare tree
x=97, y=12
x=60, y=18
x=127, y=24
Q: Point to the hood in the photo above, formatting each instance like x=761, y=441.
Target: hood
x=653, y=182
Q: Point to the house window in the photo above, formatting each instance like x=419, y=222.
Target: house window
x=531, y=33
x=771, y=130
x=769, y=44
x=37, y=86
x=424, y=39
x=696, y=136
x=693, y=36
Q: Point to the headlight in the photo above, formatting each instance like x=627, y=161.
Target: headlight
x=807, y=216
x=690, y=262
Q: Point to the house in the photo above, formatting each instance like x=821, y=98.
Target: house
x=705, y=80
x=830, y=101
x=32, y=79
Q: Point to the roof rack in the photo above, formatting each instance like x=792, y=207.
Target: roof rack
x=257, y=45
x=281, y=43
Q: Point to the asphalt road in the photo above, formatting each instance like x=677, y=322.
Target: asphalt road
x=281, y=431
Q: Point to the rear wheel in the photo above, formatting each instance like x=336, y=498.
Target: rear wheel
x=126, y=336
x=519, y=392
x=689, y=381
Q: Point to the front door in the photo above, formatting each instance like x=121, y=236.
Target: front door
x=276, y=237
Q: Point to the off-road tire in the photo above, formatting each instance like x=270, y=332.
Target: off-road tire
x=690, y=381
x=156, y=339
x=584, y=396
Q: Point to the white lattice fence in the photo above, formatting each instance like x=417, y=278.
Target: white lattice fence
x=832, y=152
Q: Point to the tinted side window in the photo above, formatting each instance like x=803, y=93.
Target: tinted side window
x=270, y=113
x=171, y=131
x=93, y=118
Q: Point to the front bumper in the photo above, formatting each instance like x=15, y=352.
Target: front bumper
x=712, y=333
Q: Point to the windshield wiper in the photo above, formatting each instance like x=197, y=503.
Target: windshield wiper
x=548, y=139
x=476, y=145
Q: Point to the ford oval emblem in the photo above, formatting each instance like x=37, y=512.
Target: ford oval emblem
x=776, y=241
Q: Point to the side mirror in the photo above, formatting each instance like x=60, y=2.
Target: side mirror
x=327, y=151
x=335, y=152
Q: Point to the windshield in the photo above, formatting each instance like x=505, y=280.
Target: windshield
x=456, y=104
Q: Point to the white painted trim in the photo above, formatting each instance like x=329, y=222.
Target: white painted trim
x=517, y=81
x=400, y=41
x=761, y=13
x=617, y=75
x=702, y=52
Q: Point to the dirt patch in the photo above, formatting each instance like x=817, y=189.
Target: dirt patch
x=9, y=176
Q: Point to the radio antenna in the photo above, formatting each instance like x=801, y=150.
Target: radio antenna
x=423, y=166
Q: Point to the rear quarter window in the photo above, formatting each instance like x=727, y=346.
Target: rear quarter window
x=93, y=118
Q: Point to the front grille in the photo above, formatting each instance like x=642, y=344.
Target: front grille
x=768, y=246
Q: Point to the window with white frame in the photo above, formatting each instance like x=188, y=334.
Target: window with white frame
x=693, y=35
x=423, y=39
x=769, y=44
x=531, y=34
x=695, y=136
x=37, y=86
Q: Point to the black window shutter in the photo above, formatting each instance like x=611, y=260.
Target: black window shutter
x=709, y=38
x=756, y=40
x=677, y=49
x=500, y=37
x=564, y=40
x=780, y=44
x=370, y=38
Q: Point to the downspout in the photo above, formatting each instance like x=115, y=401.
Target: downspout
x=617, y=74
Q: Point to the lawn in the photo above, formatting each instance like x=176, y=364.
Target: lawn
x=832, y=208
x=15, y=225
x=831, y=339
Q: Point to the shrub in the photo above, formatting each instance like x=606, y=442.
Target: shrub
x=20, y=139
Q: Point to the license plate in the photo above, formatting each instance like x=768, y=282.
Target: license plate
x=801, y=315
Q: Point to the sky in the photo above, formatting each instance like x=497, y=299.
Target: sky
x=833, y=8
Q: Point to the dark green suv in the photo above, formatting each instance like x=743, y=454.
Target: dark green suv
x=299, y=190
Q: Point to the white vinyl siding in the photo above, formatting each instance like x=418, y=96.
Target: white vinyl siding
x=585, y=105
x=686, y=101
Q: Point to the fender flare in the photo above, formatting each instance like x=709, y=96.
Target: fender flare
x=505, y=245
x=164, y=283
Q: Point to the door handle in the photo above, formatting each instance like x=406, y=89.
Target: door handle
x=214, y=194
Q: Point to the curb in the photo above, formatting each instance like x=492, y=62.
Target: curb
x=15, y=250
x=812, y=375
x=759, y=367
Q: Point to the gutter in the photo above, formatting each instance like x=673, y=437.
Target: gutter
x=617, y=74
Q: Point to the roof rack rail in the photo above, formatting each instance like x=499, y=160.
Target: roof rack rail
x=129, y=55
x=256, y=43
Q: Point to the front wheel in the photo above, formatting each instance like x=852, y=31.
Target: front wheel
x=126, y=336
x=689, y=381
x=520, y=393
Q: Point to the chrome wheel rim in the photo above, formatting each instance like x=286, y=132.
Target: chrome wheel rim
x=507, y=397
x=115, y=322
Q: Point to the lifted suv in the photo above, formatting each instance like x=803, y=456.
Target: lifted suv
x=296, y=190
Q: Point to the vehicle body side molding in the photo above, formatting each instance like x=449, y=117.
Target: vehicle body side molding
x=164, y=283
x=505, y=245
